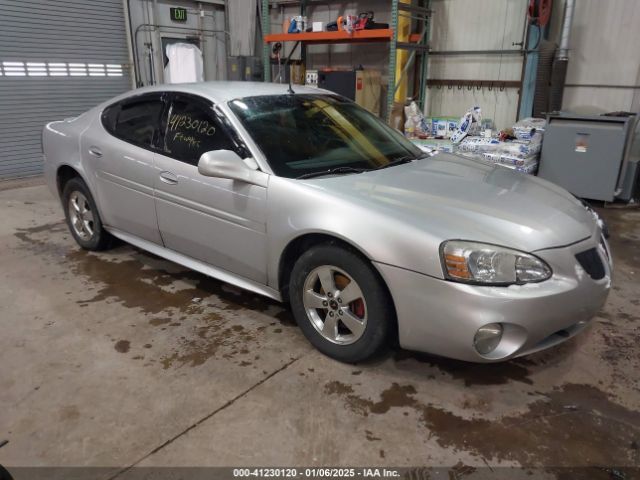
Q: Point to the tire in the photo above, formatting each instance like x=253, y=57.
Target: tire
x=367, y=305
x=4, y=474
x=82, y=216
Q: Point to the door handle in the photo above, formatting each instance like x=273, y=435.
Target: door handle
x=168, y=178
x=95, y=151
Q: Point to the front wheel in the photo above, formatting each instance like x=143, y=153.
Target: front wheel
x=340, y=303
x=82, y=216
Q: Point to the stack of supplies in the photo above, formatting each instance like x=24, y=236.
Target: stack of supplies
x=517, y=148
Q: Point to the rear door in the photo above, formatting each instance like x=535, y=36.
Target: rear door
x=218, y=221
x=119, y=147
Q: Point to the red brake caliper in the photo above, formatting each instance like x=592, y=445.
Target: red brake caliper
x=357, y=307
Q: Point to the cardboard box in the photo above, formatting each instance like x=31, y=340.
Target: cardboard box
x=369, y=90
x=297, y=73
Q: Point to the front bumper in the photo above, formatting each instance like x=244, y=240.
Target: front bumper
x=442, y=317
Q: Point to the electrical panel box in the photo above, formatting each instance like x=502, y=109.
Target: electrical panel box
x=253, y=71
x=342, y=82
x=587, y=155
x=248, y=69
x=235, y=68
x=631, y=182
x=362, y=86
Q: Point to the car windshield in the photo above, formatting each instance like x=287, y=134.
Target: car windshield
x=301, y=135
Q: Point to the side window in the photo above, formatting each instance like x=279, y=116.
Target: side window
x=109, y=117
x=192, y=129
x=134, y=121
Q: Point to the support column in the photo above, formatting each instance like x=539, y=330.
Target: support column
x=530, y=71
x=266, y=48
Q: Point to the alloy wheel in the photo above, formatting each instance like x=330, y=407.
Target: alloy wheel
x=335, y=305
x=81, y=216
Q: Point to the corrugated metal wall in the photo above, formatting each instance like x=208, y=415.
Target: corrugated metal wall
x=473, y=25
x=603, y=51
x=57, y=59
x=242, y=20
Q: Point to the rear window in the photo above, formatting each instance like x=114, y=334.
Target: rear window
x=134, y=121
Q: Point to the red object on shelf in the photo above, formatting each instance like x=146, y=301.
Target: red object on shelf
x=381, y=35
x=540, y=11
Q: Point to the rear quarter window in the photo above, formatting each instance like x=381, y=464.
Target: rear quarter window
x=134, y=121
x=109, y=117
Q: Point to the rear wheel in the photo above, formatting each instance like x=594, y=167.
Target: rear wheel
x=82, y=216
x=340, y=303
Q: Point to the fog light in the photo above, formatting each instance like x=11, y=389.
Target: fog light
x=487, y=338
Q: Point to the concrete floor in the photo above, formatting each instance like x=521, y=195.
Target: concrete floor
x=121, y=358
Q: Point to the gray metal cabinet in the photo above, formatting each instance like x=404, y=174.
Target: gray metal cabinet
x=586, y=155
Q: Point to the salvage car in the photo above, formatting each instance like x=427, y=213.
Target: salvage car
x=307, y=198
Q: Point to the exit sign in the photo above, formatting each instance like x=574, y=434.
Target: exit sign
x=178, y=14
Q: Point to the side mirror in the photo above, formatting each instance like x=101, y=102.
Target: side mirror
x=228, y=164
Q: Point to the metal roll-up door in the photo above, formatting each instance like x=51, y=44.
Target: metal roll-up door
x=58, y=58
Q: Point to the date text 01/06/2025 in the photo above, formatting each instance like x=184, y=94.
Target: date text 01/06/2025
x=316, y=472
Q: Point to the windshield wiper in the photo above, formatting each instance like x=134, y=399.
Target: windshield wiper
x=393, y=163
x=401, y=160
x=331, y=171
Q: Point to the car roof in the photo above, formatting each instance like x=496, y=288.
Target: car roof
x=225, y=91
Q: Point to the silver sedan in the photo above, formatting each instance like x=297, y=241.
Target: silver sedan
x=309, y=199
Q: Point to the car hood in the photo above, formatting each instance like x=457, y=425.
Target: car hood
x=454, y=198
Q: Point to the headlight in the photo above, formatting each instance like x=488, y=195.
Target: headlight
x=474, y=262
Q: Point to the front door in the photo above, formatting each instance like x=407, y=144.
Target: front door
x=118, y=147
x=218, y=221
